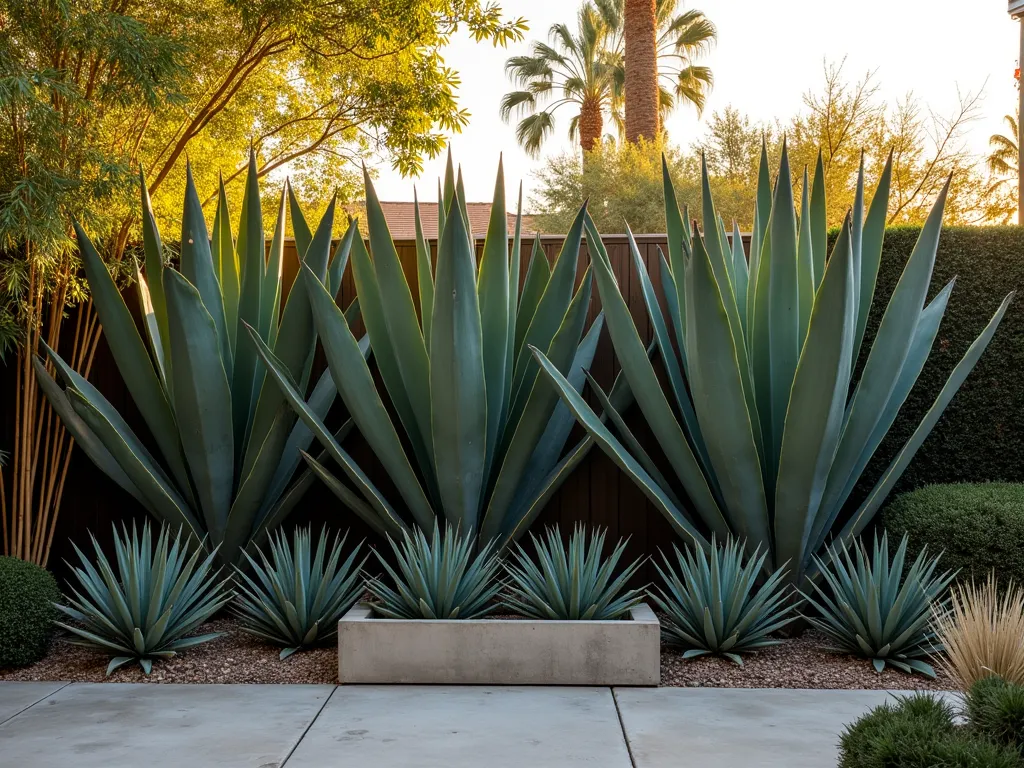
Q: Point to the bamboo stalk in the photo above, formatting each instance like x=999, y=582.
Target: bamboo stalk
x=23, y=488
x=3, y=508
x=64, y=443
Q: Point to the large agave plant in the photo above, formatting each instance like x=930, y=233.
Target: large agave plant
x=760, y=423
x=478, y=439
x=873, y=607
x=149, y=608
x=225, y=450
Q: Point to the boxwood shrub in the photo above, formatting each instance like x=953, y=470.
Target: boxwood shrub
x=27, y=595
x=980, y=527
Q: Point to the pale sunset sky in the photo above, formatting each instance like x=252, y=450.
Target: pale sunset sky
x=768, y=55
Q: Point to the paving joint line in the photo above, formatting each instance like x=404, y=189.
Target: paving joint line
x=622, y=727
x=26, y=709
x=306, y=729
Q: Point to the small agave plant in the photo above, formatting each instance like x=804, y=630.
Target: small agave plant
x=474, y=438
x=224, y=452
x=714, y=605
x=295, y=599
x=575, y=583
x=763, y=424
x=438, y=577
x=871, y=606
x=149, y=607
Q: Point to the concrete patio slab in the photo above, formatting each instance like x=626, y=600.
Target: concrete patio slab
x=451, y=727
x=163, y=726
x=724, y=728
x=16, y=697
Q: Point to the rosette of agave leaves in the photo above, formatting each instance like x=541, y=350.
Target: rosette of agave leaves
x=473, y=437
x=224, y=450
x=762, y=422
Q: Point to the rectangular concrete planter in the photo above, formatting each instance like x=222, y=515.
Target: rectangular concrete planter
x=499, y=652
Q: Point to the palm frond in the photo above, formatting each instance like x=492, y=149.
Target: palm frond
x=516, y=101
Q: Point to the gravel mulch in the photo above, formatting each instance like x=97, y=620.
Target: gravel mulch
x=234, y=658
x=799, y=662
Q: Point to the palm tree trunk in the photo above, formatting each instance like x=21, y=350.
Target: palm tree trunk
x=591, y=124
x=639, y=31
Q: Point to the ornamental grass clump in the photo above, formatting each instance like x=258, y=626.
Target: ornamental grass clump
x=712, y=605
x=442, y=577
x=296, y=598
x=872, y=609
x=575, y=583
x=983, y=633
x=223, y=450
x=149, y=608
x=762, y=422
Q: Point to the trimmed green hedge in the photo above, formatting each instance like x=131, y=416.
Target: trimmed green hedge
x=981, y=434
x=979, y=527
x=27, y=595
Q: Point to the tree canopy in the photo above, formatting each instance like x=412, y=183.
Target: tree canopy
x=92, y=92
x=846, y=120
